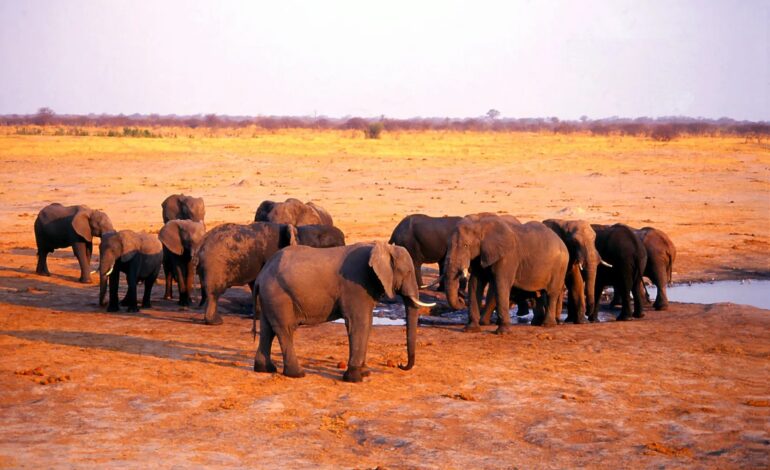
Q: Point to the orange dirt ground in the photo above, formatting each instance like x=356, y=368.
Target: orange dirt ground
x=684, y=388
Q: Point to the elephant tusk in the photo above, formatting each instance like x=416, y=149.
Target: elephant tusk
x=110, y=271
x=581, y=267
x=423, y=304
x=606, y=263
x=466, y=273
x=437, y=281
x=94, y=271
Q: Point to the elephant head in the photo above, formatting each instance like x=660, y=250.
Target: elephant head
x=121, y=246
x=395, y=270
x=90, y=223
x=192, y=208
x=181, y=236
x=482, y=236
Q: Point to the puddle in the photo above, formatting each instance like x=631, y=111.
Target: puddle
x=747, y=292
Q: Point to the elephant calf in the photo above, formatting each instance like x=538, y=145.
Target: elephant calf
x=180, y=239
x=661, y=254
x=58, y=226
x=139, y=256
x=308, y=286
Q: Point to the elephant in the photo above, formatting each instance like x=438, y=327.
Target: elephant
x=292, y=211
x=320, y=236
x=307, y=286
x=529, y=258
x=179, y=206
x=584, y=261
x=233, y=255
x=180, y=239
x=139, y=255
x=425, y=238
x=661, y=254
x=58, y=226
x=619, y=246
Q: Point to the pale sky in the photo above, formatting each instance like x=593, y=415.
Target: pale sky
x=403, y=59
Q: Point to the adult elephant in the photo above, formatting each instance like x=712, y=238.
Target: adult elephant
x=180, y=206
x=619, y=246
x=233, y=255
x=292, y=211
x=320, y=236
x=584, y=261
x=58, y=226
x=180, y=239
x=529, y=258
x=308, y=286
x=139, y=256
x=426, y=240
x=661, y=254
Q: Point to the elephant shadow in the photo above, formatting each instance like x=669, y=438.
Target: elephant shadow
x=162, y=349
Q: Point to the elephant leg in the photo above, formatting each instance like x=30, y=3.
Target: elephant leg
x=543, y=311
x=89, y=251
x=113, y=284
x=132, y=278
x=503, y=295
x=80, y=251
x=189, y=275
x=146, y=298
x=418, y=273
x=358, y=340
x=660, y=279
x=184, y=294
x=638, y=303
x=552, y=304
x=211, y=316
x=262, y=361
x=291, y=367
x=203, y=296
x=593, y=315
x=522, y=306
x=473, y=303
x=624, y=286
x=489, y=304
x=576, y=297
x=572, y=296
x=169, y=293
x=42, y=261
x=441, y=286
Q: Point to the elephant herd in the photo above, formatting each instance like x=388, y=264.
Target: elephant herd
x=300, y=271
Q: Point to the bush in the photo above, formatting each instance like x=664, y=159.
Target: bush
x=373, y=130
x=664, y=133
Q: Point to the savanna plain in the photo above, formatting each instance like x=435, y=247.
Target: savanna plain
x=687, y=387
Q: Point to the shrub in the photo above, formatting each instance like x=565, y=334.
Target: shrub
x=664, y=133
x=373, y=130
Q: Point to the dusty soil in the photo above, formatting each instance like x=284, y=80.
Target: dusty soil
x=682, y=388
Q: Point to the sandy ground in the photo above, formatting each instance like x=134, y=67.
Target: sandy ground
x=683, y=388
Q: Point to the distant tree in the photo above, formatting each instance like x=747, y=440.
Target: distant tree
x=211, y=120
x=493, y=114
x=44, y=116
x=583, y=118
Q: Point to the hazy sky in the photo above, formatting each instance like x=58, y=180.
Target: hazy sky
x=398, y=58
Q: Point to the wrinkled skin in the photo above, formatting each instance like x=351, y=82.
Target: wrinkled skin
x=233, y=255
x=584, y=260
x=139, y=256
x=58, y=226
x=529, y=258
x=661, y=254
x=181, y=240
x=180, y=206
x=293, y=212
x=308, y=286
x=320, y=236
x=426, y=239
x=619, y=246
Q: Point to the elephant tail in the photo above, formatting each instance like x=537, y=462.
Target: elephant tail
x=254, y=316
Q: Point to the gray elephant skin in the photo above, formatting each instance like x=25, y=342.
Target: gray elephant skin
x=584, y=261
x=619, y=246
x=181, y=240
x=426, y=239
x=320, y=236
x=58, y=226
x=292, y=211
x=180, y=206
x=139, y=256
x=233, y=254
x=528, y=257
x=307, y=286
x=661, y=254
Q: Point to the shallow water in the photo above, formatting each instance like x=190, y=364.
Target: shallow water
x=747, y=292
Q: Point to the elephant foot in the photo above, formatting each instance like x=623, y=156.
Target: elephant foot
x=133, y=309
x=470, y=328
x=639, y=315
x=43, y=273
x=485, y=321
x=268, y=367
x=124, y=303
x=113, y=308
x=217, y=320
x=85, y=280
x=183, y=303
x=353, y=374
x=622, y=317
x=168, y=297
x=294, y=374
x=660, y=307
x=504, y=330
x=581, y=320
x=548, y=323
x=146, y=304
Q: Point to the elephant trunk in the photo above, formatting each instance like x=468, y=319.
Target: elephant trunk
x=590, y=285
x=412, y=314
x=106, y=265
x=452, y=285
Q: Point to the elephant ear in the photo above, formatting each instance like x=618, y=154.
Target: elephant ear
x=81, y=222
x=289, y=235
x=170, y=236
x=131, y=245
x=381, y=262
x=495, y=242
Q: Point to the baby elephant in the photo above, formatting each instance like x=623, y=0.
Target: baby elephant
x=307, y=286
x=180, y=239
x=139, y=255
